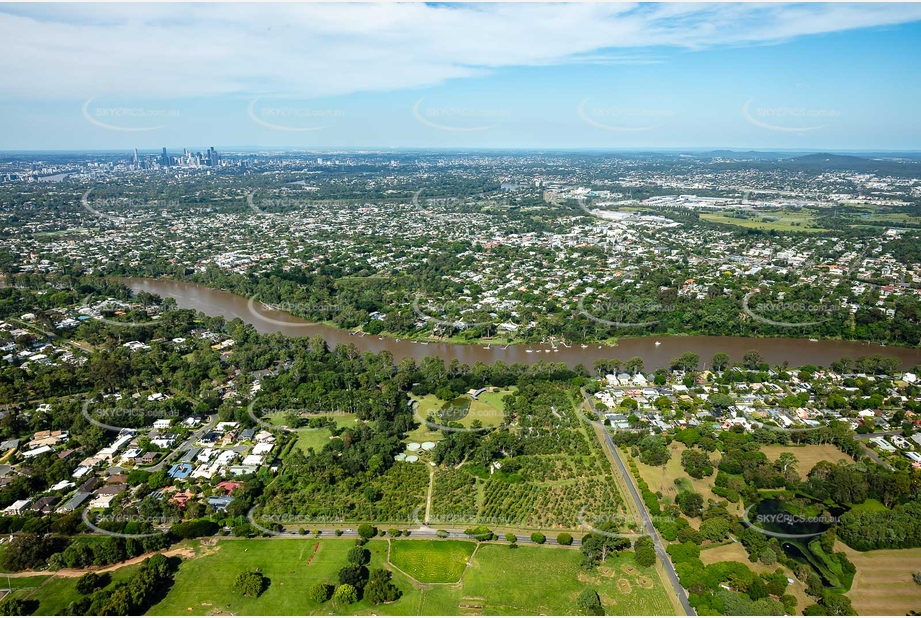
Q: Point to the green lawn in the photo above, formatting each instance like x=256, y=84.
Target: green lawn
x=546, y=580
x=436, y=562
x=869, y=505
x=18, y=583
x=204, y=585
x=782, y=222
x=313, y=438
x=57, y=593
x=487, y=408
x=495, y=399
x=500, y=581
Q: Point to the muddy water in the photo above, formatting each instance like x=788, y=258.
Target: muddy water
x=775, y=350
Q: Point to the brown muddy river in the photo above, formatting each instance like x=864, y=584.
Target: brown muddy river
x=775, y=350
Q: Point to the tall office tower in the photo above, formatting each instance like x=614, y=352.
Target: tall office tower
x=137, y=162
x=164, y=158
x=212, y=157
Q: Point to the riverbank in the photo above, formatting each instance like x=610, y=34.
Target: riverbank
x=654, y=351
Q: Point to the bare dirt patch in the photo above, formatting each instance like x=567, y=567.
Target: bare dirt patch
x=624, y=586
x=808, y=455
x=592, y=580
x=644, y=582
x=724, y=553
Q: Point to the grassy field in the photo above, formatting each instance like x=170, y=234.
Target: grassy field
x=527, y=580
x=488, y=409
x=808, y=455
x=536, y=580
x=204, y=585
x=21, y=583
x=883, y=584
x=662, y=478
x=55, y=593
x=484, y=412
x=313, y=438
x=495, y=399
x=781, y=221
x=437, y=562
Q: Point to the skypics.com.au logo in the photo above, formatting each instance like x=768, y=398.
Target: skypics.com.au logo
x=780, y=307
x=115, y=305
x=612, y=524
x=622, y=309
x=136, y=211
x=293, y=118
x=450, y=315
x=106, y=418
x=275, y=524
x=285, y=415
x=128, y=524
x=260, y=310
x=788, y=119
x=459, y=119
x=127, y=118
x=622, y=119
x=773, y=524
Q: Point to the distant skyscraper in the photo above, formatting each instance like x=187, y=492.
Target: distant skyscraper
x=137, y=161
x=164, y=158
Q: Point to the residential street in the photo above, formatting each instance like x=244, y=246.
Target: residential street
x=641, y=508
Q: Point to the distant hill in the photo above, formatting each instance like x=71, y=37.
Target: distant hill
x=817, y=162
x=828, y=159
x=749, y=154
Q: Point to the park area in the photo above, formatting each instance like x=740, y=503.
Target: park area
x=671, y=478
x=734, y=552
x=51, y=594
x=498, y=580
x=780, y=220
x=883, y=584
x=314, y=438
x=432, y=563
x=486, y=408
x=807, y=455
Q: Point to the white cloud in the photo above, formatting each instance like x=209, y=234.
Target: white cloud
x=179, y=50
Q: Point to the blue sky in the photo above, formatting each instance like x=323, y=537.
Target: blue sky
x=624, y=76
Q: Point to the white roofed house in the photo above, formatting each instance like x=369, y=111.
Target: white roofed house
x=103, y=501
x=18, y=508
x=882, y=444
x=262, y=448
x=253, y=460
x=36, y=452
x=265, y=436
x=164, y=441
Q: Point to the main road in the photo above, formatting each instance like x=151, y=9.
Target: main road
x=680, y=592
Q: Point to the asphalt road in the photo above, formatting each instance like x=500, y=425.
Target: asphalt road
x=426, y=532
x=680, y=592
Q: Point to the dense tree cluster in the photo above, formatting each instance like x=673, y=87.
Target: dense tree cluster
x=132, y=597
